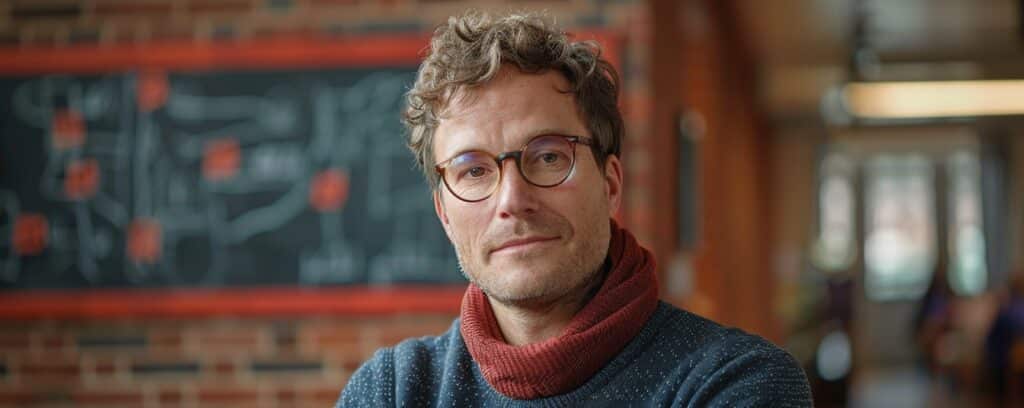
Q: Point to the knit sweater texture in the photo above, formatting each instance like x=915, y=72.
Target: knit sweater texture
x=595, y=334
x=678, y=359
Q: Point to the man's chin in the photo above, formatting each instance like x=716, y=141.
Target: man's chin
x=523, y=282
x=530, y=291
x=521, y=299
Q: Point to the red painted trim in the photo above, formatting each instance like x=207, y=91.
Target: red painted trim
x=265, y=53
x=234, y=302
x=278, y=52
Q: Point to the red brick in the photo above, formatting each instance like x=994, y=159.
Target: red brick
x=395, y=331
x=272, y=32
x=352, y=363
x=320, y=396
x=20, y=398
x=166, y=368
x=104, y=366
x=45, y=10
x=166, y=340
x=227, y=396
x=224, y=368
x=346, y=337
x=220, y=6
x=346, y=333
x=342, y=380
x=171, y=32
x=107, y=398
x=315, y=3
x=60, y=369
x=170, y=397
x=286, y=342
x=344, y=349
x=244, y=340
x=14, y=342
x=286, y=396
x=48, y=373
x=157, y=10
x=43, y=37
x=52, y=341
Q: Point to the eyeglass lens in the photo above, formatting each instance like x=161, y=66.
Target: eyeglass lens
x=546, y=161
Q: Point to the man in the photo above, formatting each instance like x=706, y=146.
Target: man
x=518, y=132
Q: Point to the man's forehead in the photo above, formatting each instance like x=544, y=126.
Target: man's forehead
x=506, y=112
x=467, y=99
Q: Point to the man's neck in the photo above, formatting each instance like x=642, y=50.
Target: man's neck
x=523, y=324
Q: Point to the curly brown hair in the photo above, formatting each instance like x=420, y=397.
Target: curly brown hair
x=470, y=49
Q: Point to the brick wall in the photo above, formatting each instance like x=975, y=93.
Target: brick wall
x=198, y=362
x=261, y=362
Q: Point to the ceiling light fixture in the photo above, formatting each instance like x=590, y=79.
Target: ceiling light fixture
x=910, y=100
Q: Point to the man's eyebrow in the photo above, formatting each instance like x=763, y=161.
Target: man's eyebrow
x=548, y=131
x=473, y=146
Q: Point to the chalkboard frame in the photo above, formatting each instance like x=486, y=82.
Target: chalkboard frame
x=278, y=52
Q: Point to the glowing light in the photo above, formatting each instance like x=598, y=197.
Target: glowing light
x=934, y=99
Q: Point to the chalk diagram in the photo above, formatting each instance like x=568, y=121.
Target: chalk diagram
x=83, y=232
x=207, y=179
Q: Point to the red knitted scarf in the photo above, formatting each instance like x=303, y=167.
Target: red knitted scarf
x=618, y=311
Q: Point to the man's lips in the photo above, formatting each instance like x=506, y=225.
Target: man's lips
x=517, y=243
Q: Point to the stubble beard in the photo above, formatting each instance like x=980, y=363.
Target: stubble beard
x=563, y=278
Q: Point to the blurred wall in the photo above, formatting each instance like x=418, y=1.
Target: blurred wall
x=705, y=77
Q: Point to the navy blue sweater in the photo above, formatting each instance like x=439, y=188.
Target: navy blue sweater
x=677, y=359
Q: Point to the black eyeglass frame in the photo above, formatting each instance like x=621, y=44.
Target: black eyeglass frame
x=517, y=155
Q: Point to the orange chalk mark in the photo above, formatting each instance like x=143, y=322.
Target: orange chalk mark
x=329, y=190
x=31, y=234
x=151, y=90
x=221, y=159
x=81, y=179
x=144, y=240
x=68, y=129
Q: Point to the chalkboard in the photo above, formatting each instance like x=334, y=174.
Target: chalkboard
x=213, y=178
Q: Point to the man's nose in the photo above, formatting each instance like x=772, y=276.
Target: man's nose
x=516, y=196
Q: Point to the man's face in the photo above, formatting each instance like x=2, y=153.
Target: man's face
x=526, y=244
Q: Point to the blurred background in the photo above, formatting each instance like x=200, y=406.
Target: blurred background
x=208, y=203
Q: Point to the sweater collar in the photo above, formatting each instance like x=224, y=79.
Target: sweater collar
x=626, y=299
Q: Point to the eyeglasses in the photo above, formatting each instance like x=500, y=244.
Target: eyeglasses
x=544, y=161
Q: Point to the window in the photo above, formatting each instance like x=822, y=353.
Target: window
x=836, y=245
x=968, y=270
x=900, y=241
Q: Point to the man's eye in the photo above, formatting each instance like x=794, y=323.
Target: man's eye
x=476, y=172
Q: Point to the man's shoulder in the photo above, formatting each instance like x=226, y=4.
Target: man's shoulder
x=427, y=349
x=419, y=350
x=700, y=333
x=697, y=336
x=700, y=355
x=402, y=372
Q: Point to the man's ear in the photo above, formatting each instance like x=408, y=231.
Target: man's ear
x=613, y=183
x=440, y=210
